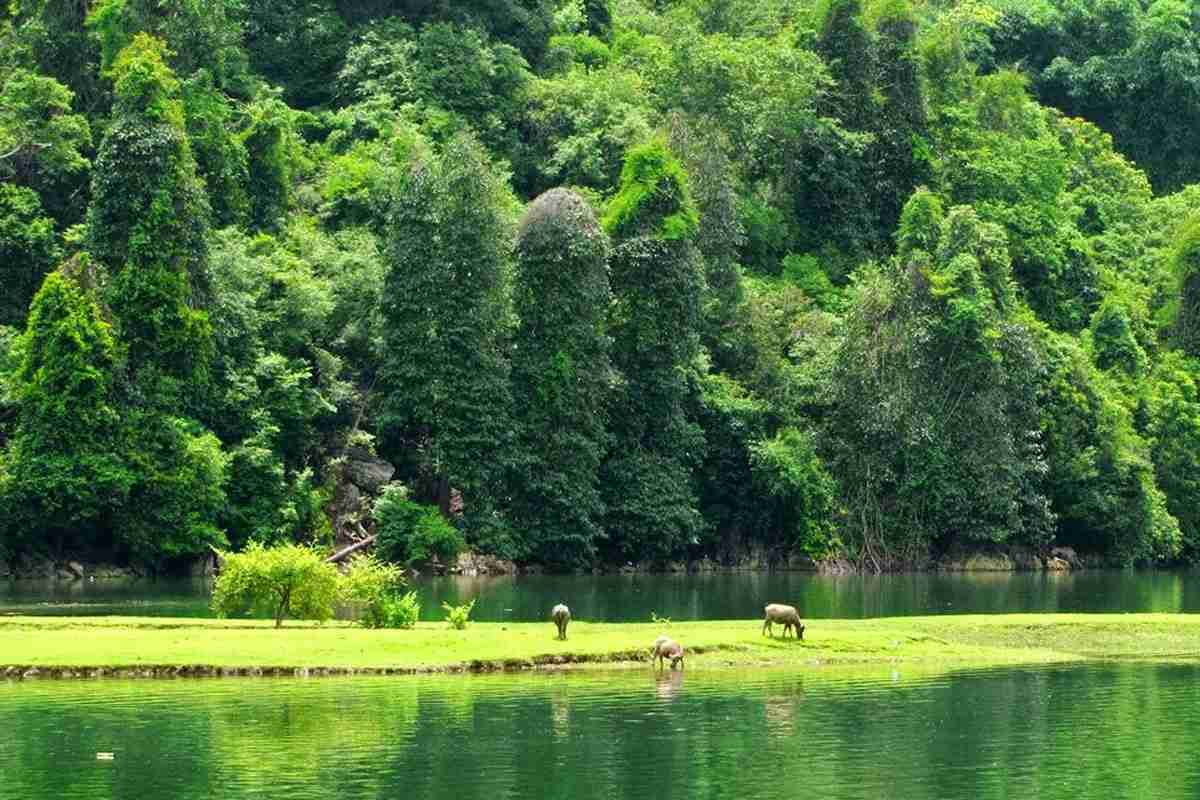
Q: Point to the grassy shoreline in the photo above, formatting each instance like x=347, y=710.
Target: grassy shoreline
x=163, y=647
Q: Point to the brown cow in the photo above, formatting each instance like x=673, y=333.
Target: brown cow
x=788, y=616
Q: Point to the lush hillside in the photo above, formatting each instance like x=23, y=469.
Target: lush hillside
x=603, y=280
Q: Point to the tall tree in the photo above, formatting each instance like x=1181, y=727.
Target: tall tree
x=63, y=475
x=898, y=155
x=444, y=378
x=147, y=224
x=658, y=283
x=561, y=377
x=933, y=430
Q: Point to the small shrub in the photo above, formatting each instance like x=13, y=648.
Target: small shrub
x=288, y=581
x=374, y=584
x=458, y=616
x=400, y=610
x=655, y=618
x=413, y=533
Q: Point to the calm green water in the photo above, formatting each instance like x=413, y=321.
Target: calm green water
x=682, y=597
x=1072, y=733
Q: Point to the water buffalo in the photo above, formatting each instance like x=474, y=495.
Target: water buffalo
x=788, y=616
x=561, y=616
x=664, y=648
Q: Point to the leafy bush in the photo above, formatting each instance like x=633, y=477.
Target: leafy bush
x=413, y=533
x=458, y=616
x=399, y=610
x=288, y=581
x=373, y=584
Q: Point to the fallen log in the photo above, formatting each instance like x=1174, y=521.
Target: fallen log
x=350, y=550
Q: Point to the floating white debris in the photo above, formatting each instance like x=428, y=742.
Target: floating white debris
x=105, y=756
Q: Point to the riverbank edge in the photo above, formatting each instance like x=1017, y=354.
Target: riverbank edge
x=56, y=648
x=996, y=558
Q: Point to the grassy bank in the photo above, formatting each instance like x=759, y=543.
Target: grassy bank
x=161, y=646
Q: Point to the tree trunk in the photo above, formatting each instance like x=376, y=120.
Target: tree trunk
x=443, y=496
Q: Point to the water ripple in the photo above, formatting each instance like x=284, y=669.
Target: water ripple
x=1067, y=732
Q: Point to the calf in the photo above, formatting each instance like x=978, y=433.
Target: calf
x=788, y=616
x=561, y=616
x=665, y=648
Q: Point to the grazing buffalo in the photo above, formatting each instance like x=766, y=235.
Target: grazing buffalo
x=788, y=616
x=664, y=648
x=561, y=616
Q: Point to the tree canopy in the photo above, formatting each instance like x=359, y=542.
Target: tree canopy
x=588, y=282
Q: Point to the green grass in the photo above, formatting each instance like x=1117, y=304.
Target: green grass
x=942, y=642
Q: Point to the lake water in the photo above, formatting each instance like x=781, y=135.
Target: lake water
x=1097, y=731
x=623, y=598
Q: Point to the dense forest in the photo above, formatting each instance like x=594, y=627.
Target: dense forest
x=603, y=280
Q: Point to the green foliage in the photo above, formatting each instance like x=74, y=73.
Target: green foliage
x=398, y=611
x=578, y=126
x=42, y=142
x=265, y=142
x=654, y=199
x=411, y=533
x=457, y=616
x=177, y=491
x=1101, y=476
x=1185, y=263
x=375, y=585
x=933, y=435
x=789, y=470
x=199, y=34
x=1173, y=430
x=303, y=58
x=806, y=272
x=28, y=250
x=1126, y=66
x=288, y=581
x=1113, y=340
x=221, y=157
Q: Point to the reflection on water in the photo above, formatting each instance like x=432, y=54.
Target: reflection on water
x=623, y=598
x=1080, y=732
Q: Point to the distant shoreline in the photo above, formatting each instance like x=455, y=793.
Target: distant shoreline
x=138, y=647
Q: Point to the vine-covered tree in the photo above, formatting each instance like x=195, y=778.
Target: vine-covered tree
x=444, y=379
x=561, y=377
x=655, y=323
x=147, y=225
x=63, y=476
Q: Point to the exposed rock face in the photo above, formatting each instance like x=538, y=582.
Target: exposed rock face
x=1057, y=564
x=360, y=479
x=475, y=564
x=1068, y=555
x=366, y=471
x=75, y=568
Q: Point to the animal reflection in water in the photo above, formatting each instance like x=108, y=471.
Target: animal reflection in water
x=560, y=715
x=668, y=684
